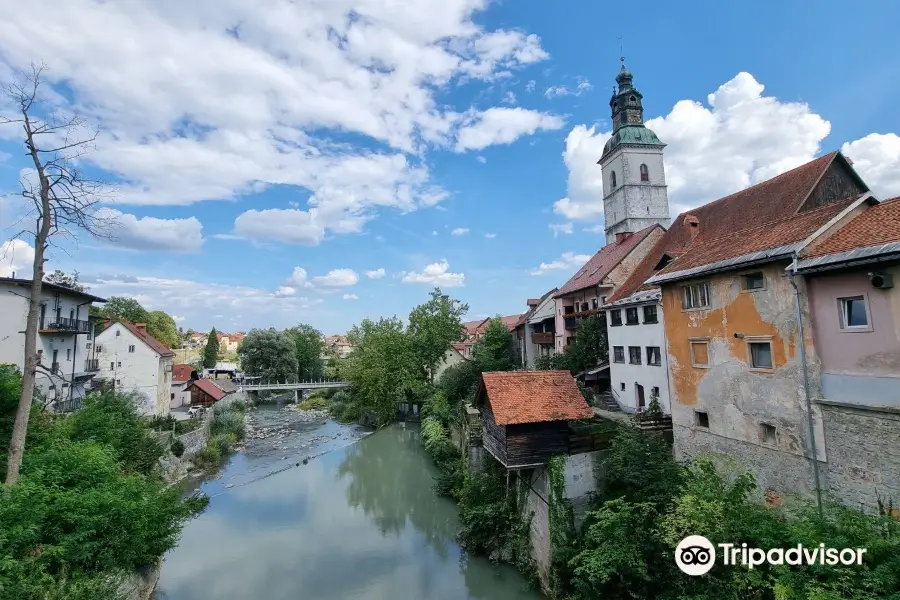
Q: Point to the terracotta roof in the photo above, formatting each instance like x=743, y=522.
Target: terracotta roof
x=874, y=226
x=182, y=373
x=226, y=385
x=211, y=389
x=510, y=321
x=533, y=397
x=472, y=326
x=768, y=201
x=155, y=345
x=604, y=261
x=460, y=347
x=775, y=234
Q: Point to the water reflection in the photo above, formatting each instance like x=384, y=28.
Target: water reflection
x=357, y=523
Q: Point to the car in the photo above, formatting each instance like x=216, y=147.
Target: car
x=195, y=411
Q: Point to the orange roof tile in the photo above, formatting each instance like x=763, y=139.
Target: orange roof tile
x=181, y=373
x=510, y=321
x=155, y=345
x=533, y=397
x=875, y=226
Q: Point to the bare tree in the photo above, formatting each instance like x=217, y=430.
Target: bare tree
x=63, y=200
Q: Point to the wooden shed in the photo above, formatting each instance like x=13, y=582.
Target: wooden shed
x=205, y=393
x=525, y=415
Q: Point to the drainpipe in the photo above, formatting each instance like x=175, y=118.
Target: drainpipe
x=809, y=415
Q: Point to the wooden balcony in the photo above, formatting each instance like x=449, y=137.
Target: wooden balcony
x=91, y=365
x=64, y=325
x=544, y=338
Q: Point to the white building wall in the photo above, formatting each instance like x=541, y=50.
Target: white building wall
x=544, y=310
x=139, y=371
x=179, y=396
x=628, y=375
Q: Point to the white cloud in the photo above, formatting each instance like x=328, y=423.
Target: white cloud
x=285, y=290
x=336, y=278
x=436, y=274
x=529, y=87
x=376, y=274
x=503, y=126
x=298, y=278
x=560, y=228
x=350, y=297
x=555, y=91
x=739, y=139
x=876, y=157
x=434, y=232
x=490, y=236
x=460, y=231
x=239, y=96
x=509, y=98
x=481, y=159
x=16, y=256
x=568, y=261
x=150, y=233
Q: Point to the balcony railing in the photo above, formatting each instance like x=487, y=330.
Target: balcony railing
x=91, y=364
x=545, y=337
x=65, y=324
x=572, y=323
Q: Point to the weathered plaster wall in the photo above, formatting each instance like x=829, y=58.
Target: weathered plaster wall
x=536, y=504
x=738, y=400
x=580, y=477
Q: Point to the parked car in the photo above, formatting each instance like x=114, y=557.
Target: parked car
x=196, y=411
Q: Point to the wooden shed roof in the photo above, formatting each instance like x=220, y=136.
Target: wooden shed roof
x=518, y=397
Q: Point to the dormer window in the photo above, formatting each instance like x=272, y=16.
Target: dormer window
x=633, y=98
x=645, y=173
x=612, y=179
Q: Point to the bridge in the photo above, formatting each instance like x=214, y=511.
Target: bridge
x=298, y=386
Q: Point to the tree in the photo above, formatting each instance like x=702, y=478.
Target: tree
x=63, y=201
x=211, y=352
x=433, y=327
x=125, y=308
x=309, y=348
x=589, y=348
x=269, y=354
x=494, y=350
x=63, y=279
x=161, y=326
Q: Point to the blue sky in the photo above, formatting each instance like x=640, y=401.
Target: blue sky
x=268, y=155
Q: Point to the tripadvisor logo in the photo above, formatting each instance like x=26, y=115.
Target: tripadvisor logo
x=696, y=555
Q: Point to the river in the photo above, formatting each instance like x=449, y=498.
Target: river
x=359, y=521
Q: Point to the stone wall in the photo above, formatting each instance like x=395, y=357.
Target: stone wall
x=536, y=505
x=581, y=482
x=194, y=441
x=140, y=584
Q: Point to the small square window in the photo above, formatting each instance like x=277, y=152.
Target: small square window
x=118, y=333
x=654, y=357
x=120, y=363
x=768, y=433
x=853, y=313
x=695, y=296
x=634, y=355
x=655, y=392
x=615, y=317
x=754, y=281
x=700, y=353
x=131, y=348
x=112, y=366
x=631, y=316
x=650, y=314
x=623, y=386
x=701, y=418
x=761, y=355
x=619, y=354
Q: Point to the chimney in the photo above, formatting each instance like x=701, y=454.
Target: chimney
x=622, y=236
x=691, y=226
x=142, y=327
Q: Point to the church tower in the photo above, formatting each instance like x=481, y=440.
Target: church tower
x=634, y=177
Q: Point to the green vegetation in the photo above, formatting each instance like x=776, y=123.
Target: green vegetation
x=161, y=326
x=226, y=428
x=270, y=354
x=211, y=352
x=177, y=448
x=63, y=279
x=308, y=348
x=433, y=327
x=314, y=402
x=88, y=506
x=170, y=423
x=494, y=350
x=588, y=349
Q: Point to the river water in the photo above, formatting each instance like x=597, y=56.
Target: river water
x=359, y=521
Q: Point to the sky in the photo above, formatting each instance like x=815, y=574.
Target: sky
x=325, y=161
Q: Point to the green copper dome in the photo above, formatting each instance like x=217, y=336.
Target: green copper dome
x=632, y=134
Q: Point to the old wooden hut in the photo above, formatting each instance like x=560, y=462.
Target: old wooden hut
x=525, y=415
x=205, y=393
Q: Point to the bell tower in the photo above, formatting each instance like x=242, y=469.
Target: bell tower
x=634, y=176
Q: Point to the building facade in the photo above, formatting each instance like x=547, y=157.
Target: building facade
x=134, y=361
x=540, y=330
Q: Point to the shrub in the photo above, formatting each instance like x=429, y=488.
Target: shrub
x=228, y=419
x=314, y=403
x=437, y=406
x=177, y=448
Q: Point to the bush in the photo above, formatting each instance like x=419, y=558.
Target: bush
x=459, y=381
x=314, y=403
x=438, y=407
x=228, y=418
x=177, y=448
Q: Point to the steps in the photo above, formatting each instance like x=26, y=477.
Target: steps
x=607, y=402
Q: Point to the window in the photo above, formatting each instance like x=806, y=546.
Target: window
x=760, y=354
x=118, y=333
x=131, y=348
x=602, y=300
x=623, y=386
x=171, y=396
x=631, y=316
x=71, y=314
x=112, y=366
x=633, y=99
x=119, y=363
x=118, y=382
x=68, y=354
x=612, y=179
x=655, y=392
x=584, y=306
x=619, y=354
x=700, y=353
x=99, y=348
x=695, y=296
x=767, y=433
x=634, y=355
x=853, y=313
x=615, y=317
x=594, y=303
x=650, y=314
x=653, y=356
x=754, y=281
x=645, y=174
x=701, y=418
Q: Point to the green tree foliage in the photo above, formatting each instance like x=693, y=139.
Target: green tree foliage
x=309, y=350
x=494, y=350
x=269, y=354
x=163, y=327
x=211, y=352
x=122, y=307
x=433, y=327
x=458, y=382
x=589, y=348
x=62, y=278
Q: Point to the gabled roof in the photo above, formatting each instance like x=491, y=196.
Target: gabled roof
x=182, y=373
x=154, y=344
x=875, y=226
x=45, y=285
x=604, y=261
x=533, y=397
x=209, y=388
x=510, y=321
x=471, y=327
x=226, y=385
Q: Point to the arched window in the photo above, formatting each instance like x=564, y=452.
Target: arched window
x=633, y=99
x=645, y=175
x=612, y=179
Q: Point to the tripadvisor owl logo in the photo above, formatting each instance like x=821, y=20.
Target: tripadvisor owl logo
x=695, y=555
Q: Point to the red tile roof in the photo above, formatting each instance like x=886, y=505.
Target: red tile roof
x=155, y=345
x=460, y=347
x=211, y=389
x=533, y=397
x=471, y=327
x=875, y=226
x=771, y=200
x=182, y=373
x=510, y=321
x=604, y=261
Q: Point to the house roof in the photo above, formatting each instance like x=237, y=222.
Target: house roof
x=876, y=226
x=181, y=373
x=209, y=388
x=460, y=347
x=226, y=385
x=510, y=321
x=771, y=200
x=154, y=344
x=604, y=261
x=472, y=326
x=533, y=397
x=53, y=287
